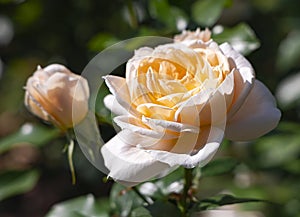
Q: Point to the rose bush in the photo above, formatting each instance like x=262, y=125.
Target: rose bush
x=57, y=95
x=177, y=103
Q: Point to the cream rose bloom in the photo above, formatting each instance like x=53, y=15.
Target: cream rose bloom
x=57, y=95
x=177, y=103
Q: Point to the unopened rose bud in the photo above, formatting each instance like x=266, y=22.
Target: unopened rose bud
x=57, y=95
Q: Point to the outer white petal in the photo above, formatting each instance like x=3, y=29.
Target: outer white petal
x=256, y=117
x=243, y=76
x=143, y=51
x=129, y=164
x=169, y=125
x=53, y=68
x=202, y=157
x=239, y=60
x=118, y=87
x=112, y=104
x=137, y=126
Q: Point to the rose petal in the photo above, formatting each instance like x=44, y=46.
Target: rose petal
x=208, y=106
x=188, y=111
x=35, y=107
x=156, y=110
x=138, y=92
x=198, y=36
x=169, y=125
x=129, y=164
x=172, y=99
x=114, y=106
x=243, y=76
x=175, y=52
x=179, y=54
x=118, y=87
x=215, y=110
x=151, y=78
x=239, y=60
x=53, y=68
x=137, y=126
x=202, y=157
x=257, y=116
x=185, y=141
x=143, y=51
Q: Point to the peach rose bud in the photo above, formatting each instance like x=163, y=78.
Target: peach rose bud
x=57, y=95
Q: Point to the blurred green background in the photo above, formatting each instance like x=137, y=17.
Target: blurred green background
x=34, y=173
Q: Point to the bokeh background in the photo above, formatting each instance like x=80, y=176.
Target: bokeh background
x=34, y=173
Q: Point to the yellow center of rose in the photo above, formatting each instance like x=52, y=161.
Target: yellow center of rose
x=162, y=85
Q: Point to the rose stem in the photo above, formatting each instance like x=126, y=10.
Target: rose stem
x=70, y=149
x=70, y=154
x=188, y=181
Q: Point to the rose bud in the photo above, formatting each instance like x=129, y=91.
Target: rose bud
x=57, y=95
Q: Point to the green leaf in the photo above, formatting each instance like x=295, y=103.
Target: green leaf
x=167, y=14
x=288, y=127
x=289, y=51
x=140, y=212
x=102, y=41
x=84, y=206
x=221, y=200
x=207, y=12
x=219, y=167
x=160, y=9
x=266, y=5
x=277, y=150
x=241, y=37
x=293, y=166
x=162, y=208
x=7, y=1
x=28, y=133
x=123, y=200
x=17, y=182
x=28, y=13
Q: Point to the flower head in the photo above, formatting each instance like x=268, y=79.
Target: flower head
x=57, y=95
x=177, y=103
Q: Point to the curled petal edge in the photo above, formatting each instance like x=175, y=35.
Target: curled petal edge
x=129, y=164
x=257, y=116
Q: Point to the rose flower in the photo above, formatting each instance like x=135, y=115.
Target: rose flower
x=57, y=95
x=177, y=103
